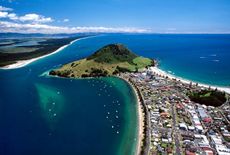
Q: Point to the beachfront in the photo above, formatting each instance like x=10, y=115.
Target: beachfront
x=177, y=124
x=160, y=72
x=142, y=137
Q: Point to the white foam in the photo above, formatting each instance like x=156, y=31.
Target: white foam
x=161, y=72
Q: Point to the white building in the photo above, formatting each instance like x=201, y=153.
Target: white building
x=183, y=126
x=219, y=146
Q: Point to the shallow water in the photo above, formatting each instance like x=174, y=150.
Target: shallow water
x=47, y=115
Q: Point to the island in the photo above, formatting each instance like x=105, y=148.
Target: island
x=109, y=60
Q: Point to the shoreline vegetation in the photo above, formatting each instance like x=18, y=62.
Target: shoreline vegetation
x=29, y=57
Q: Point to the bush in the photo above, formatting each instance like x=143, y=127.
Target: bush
x=208, y=97
x=98, y=72
x=122, y=70
x=52, y=72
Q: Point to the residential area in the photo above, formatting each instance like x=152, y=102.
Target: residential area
x=177, y=125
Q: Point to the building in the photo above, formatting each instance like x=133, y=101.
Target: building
x=191, y=128
x=183, y=126
x=217, y=143
x=199, y=128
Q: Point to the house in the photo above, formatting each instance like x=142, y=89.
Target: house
x=219, y=146
x=203, y=114
x=164, y=115
x=208, y=150
x=187, y=136
x=199, y=128
x=165, y=140
x=191, y=128
x=183, y=126
x=202, y=140
x=207, y=120
x=190, y=153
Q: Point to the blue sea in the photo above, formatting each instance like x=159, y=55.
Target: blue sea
x=203, y=58
x=43, y=115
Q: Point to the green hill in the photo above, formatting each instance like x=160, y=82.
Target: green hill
x=109, y=60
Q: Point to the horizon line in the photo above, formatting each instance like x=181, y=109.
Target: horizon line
x=117, y=33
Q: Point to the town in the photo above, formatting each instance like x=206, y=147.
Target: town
x=176, y=125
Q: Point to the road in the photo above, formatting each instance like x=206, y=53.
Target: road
x=175, y=131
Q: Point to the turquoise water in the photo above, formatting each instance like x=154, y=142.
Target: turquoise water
x=43, y=115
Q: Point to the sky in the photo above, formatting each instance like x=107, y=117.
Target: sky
x=130, y=16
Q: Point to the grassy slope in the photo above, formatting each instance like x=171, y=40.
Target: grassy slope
x=85, y=66
x=107, y=60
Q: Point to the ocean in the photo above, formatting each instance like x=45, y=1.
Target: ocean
x=201, y=58
x=43, y=115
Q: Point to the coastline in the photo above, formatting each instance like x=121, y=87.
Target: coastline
x=158, y=71
x=141, y=119
x=140, y=114
x=23, y=63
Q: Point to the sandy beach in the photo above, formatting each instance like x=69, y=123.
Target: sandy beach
x=141, y=120
x=163, y=73
x=23, y=63
x=140, y=123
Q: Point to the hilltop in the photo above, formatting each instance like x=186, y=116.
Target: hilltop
x=107, y=61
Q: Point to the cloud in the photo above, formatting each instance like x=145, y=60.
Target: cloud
x=3, y=14
x=11, y=16
x=171, y=29
x=43, y=28
x=35, y=18
x=35, y=23
x=31, y=17
x=109, y=29
x=2, y=8
x=66, y=20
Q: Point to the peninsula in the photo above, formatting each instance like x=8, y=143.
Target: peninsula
x=174, y=116
x=107, y=61
x=113, y=59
